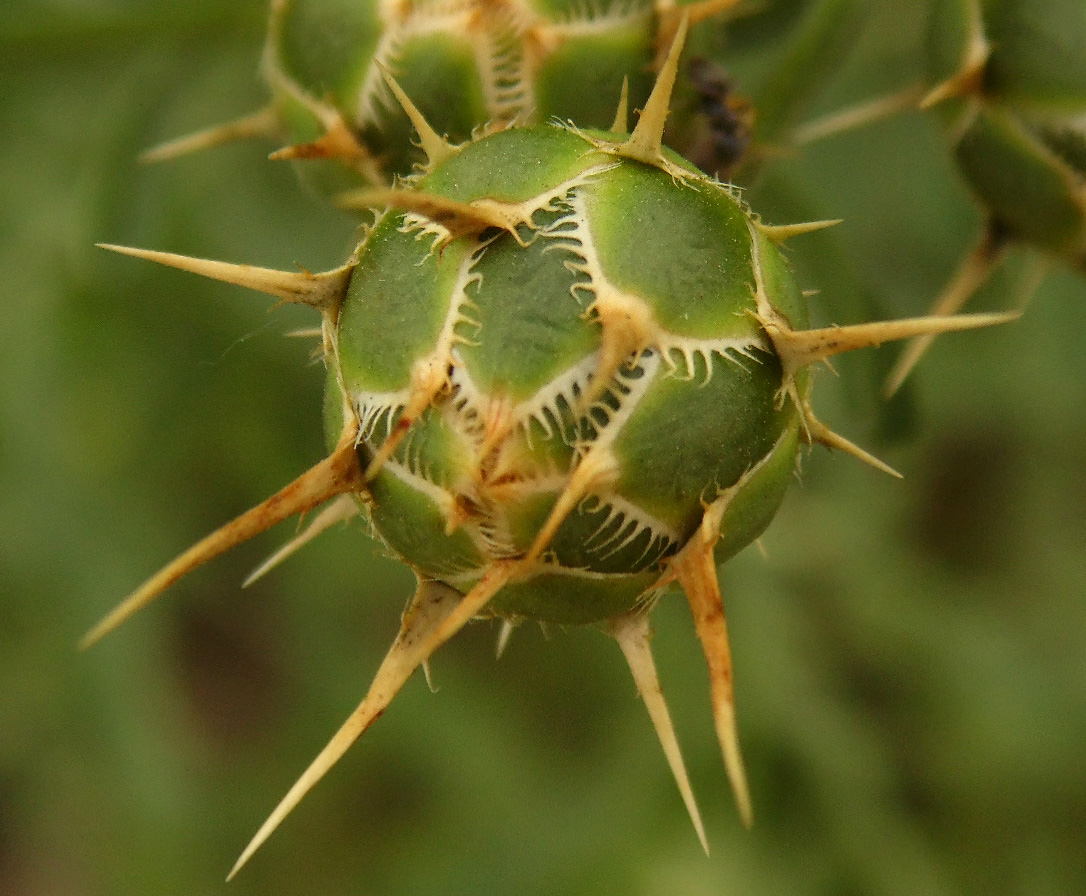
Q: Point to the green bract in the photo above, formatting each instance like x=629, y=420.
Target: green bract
x=1011, y=78
x=466, y=63
x=1017, y=74
x=566, y=370
x=559, y=345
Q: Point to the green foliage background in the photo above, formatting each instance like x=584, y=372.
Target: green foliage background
x=910, y=666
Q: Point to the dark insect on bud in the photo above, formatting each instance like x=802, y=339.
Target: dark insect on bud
x=726, y=120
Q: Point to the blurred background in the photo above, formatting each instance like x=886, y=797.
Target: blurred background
x=910, y=662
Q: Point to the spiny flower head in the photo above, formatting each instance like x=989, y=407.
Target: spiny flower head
x=566, y=371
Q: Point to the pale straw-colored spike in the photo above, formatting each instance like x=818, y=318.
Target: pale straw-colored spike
x=597, y=467
x=971, y=274
x=778, y=233
x=340, y=510
x=335, y=475
x=646, y=141
x=857, y=116
x=816, y=431
x=504, y=634
x=1036, y=269
x=496, y=577
x=969, y=79
x=966, y=82
x=436, y=147
x=695, y=570
x=632, y=634
x=323, y=291
x=669, y=17
x=621, y=124
x=264, y=123
x=459, y=218
x=430, y=606
x=798, y=348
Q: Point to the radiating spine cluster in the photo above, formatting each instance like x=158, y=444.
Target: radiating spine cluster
x=566, y=371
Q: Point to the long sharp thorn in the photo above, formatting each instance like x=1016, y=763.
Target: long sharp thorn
x=695, y=569
x=598, y=465
x=322, y=291
x=621, y=123
x=968, y=278
x=459, y=218
x=262, y=123
x=805, y=347
x=336, y=474
x=778, y=233
x=435, y=146
x=817, y=431
x=493, y=580
x=670, y=14
x=305, y=333
x=646, y=141
x=429, y=608
x=632, y=634
x=337, y=511
x=857, y=116
x=969, y=79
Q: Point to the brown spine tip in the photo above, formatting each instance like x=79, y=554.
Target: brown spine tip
x=969, y=79
x=337, y=142
x=695, y=570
